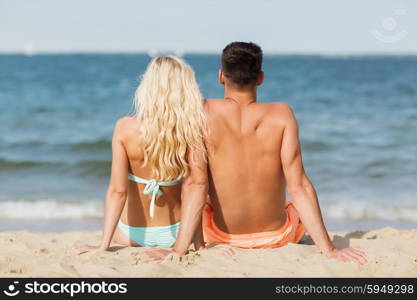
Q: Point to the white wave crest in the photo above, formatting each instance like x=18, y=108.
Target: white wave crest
x=50, y=209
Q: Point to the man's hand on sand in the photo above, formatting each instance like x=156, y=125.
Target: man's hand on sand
x=223, y=249
x=348, y=254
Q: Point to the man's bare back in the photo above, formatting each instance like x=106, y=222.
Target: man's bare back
x=246, y=179
x=254, y=155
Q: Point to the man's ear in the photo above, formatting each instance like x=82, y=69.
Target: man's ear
x=221, y=77
x=261, y=78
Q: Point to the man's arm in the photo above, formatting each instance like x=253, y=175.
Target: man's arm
x=304, y=195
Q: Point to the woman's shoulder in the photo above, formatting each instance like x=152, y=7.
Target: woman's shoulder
x=126, y=121
x=126, y=126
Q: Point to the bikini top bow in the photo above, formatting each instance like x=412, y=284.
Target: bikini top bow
x=152, y=188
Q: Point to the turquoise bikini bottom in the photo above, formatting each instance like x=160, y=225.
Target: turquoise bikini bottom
x=158, y=236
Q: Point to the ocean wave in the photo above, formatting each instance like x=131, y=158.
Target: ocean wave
x=20, y=164
x=60, y=209
x=377, y=163
x=92, y=145
x=369, y=211
x=50, y=209
x=97, y=145
x=24, y=143
x=98, y=168
x=316, y=146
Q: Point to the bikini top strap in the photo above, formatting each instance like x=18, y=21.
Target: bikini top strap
x=152, y=189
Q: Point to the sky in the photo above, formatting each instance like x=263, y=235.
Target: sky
x=291, y=26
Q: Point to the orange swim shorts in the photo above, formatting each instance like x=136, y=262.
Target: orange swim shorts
x=292, y=232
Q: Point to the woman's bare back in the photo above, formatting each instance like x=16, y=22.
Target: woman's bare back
x=136, y=210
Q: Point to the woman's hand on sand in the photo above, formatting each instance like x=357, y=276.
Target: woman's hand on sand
x=157, y=254
x=87, y=248
x=348, y=254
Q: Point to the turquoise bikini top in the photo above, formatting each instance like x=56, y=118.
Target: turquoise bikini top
x=152, y=188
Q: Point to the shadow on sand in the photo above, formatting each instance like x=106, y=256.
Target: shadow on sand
x=338, y=240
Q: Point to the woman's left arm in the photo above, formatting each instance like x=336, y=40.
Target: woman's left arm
x=193, y=199
x=116, y=192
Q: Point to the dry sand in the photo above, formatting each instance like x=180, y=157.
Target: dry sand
x=391, y=253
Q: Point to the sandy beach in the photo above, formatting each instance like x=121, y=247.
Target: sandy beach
x=391, y=253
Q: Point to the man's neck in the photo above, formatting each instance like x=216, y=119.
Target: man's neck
x=240, y=96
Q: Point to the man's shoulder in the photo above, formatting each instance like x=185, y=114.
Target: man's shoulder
x=279, y=107
x=277, y=104
x=212, y=105
x=279, y=113
x=213, y=101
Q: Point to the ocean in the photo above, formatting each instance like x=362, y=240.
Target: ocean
x=357, y=116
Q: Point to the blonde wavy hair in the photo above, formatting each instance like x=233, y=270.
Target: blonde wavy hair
x=169, y=105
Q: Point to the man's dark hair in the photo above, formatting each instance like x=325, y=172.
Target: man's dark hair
x=242, y=62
